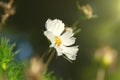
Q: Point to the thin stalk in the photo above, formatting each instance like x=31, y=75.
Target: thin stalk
x=75, y=23
x=67, y=59
x=50, y=58
x=5, y=75
x=45, y=53
x=101, y=74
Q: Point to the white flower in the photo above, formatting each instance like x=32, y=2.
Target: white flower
x=61, y=41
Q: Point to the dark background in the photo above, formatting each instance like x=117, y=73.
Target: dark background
x=30, y=19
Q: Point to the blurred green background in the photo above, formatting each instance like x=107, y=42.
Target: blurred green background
x=30, y=19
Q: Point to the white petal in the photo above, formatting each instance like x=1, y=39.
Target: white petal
x=72, y=57
x=48, y=25
x=68, y=41
x=67, y=38
x=50, y=36
x=70, y=52
x=67, y=34
x=55, y=26
x=59, y=51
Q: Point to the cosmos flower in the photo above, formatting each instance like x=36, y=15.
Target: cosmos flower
x=87, y=10
x=60, y=39
x=106, y=55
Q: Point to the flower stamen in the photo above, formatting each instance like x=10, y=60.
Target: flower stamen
x=58, y=41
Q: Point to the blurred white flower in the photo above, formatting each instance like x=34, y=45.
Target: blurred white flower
x=106, y=55
x=61, y=41
x=87, y=10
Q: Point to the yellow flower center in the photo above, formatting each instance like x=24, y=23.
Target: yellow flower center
x=58, y=41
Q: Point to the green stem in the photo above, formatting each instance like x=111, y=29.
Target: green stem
x=100, y=74
x=49, y=59
x=67, y=58
x=0, y=26
x=75, y=23
x=45, y=53
x=5, y=75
